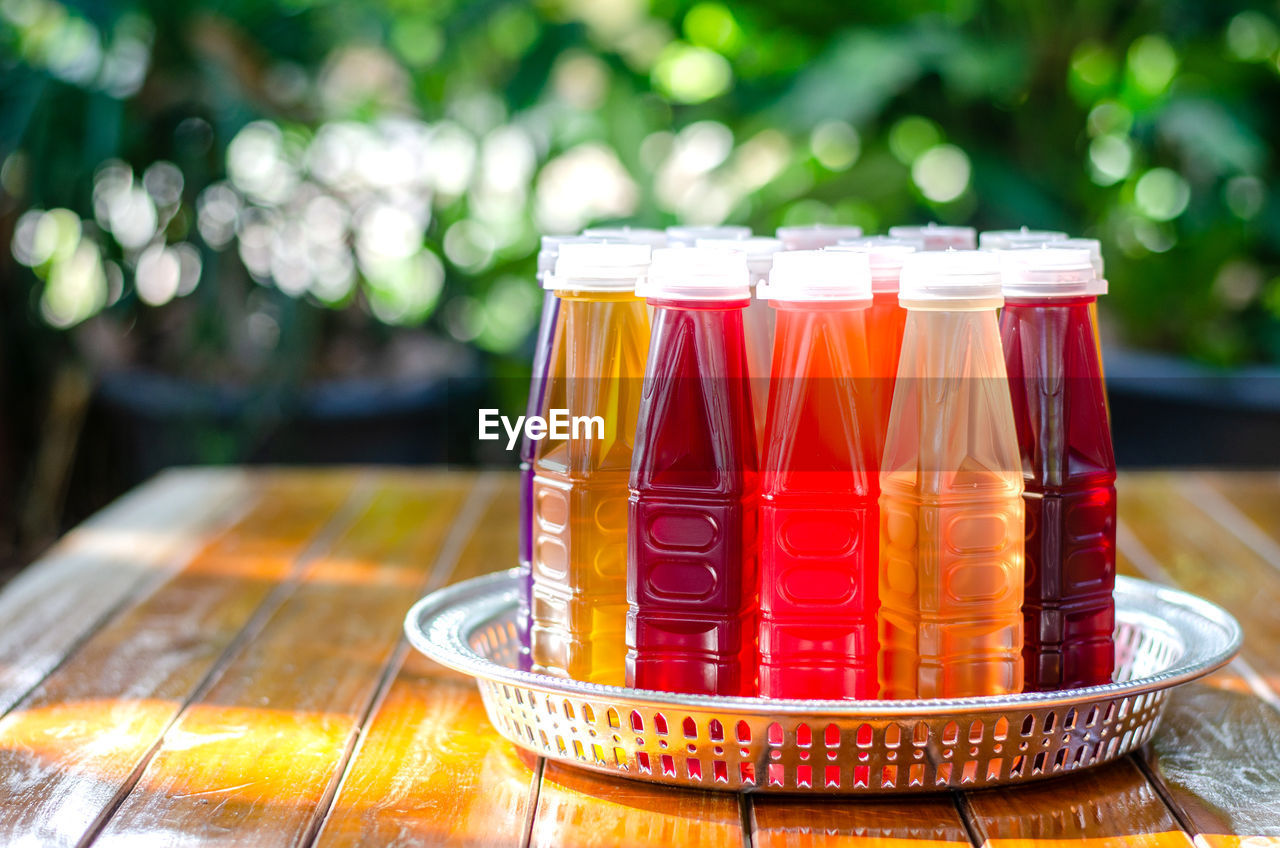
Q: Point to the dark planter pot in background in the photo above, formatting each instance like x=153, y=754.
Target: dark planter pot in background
x=140, y=423
x=1171, y=412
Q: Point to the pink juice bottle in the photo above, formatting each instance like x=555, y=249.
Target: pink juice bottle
x=819, y=520
x=691, y=576
x=757, y=319
x=1067, y=464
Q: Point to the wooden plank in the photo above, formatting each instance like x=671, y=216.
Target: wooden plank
x=255, y=758
x=1114, y=805
x=579, y=809
x=430, y=769
x=919, y=822
x=134, y=543
x=73, y=744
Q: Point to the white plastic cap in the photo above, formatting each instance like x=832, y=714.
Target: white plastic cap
x=863, y=241
x=937, y=237
x=550, y=249
x=1051, y=271
x=697, y=273
x=1005, y=239
x=599, y=266
x=815, y=236
x=818, y=275
x=969, y=276
x=1092, y=245
x=885, y=256
x=628, y=235
x=759, y=251
x=688, y=236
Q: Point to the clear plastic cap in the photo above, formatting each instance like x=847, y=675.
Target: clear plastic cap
x=1049, y=271
x=628, y=235
x=759, y=251
x=550, y=249
x=863, y=241
x=885, y=256
x=1092, y=245
x=969, y=279
x=681, y=236
x=815, y=236
x=599, y=266
x=697, y=273
x=1023, y=237
x=818, y=275
x=937, y=237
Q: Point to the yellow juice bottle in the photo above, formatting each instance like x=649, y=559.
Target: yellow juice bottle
x=579, y=595
x=951, y=509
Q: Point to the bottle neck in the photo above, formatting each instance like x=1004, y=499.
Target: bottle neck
x=596, y=296
x=699, y=305
x=1014, y=302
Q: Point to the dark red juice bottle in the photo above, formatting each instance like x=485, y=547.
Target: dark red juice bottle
x=819, y=517
x=1060, y=411
x=691, y=571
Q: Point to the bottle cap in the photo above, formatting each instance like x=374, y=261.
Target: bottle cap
x=972, y=276
x=759, y=251
x=696, y=273
x=598, y=266
x=1095, y=252
x=937, y=237
x=885, y=256
x=815, y=236
x=550, y=249
x=688, y=236
x=906, y=241
x=628, y=235
x=818, y=275
x=1005, y=239
x=1050, y=271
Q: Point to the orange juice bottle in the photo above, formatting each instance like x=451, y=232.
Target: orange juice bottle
x=757, y=319
x=951, y=509
x=886, y=321
x=579, y=597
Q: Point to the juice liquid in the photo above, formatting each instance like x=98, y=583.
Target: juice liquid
x=951, y=513
x=886, y=322
x=819, y=520
x=580, y=489
x=535, y=406
x=1059, y=404
x=692, y=579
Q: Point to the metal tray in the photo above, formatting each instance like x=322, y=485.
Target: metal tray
x=1164, y=638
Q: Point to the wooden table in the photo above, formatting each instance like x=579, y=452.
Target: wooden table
x=217, y=658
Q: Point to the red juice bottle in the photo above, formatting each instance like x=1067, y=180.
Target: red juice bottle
x=819, y=520
x=1068, y=466
x=691, y=575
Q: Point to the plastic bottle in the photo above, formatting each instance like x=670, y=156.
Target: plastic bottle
x=937, y=237
x=1021, y=237
x=691, y=578
x=951, y=510
x=815, y=236
x=628, y=235
x=757, y=320
x=580, y=482
x=886, y=320
x=819, y=518
x=687, y=236
x=1067, y=464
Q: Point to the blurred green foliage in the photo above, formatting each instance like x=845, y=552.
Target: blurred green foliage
x=336, y=169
